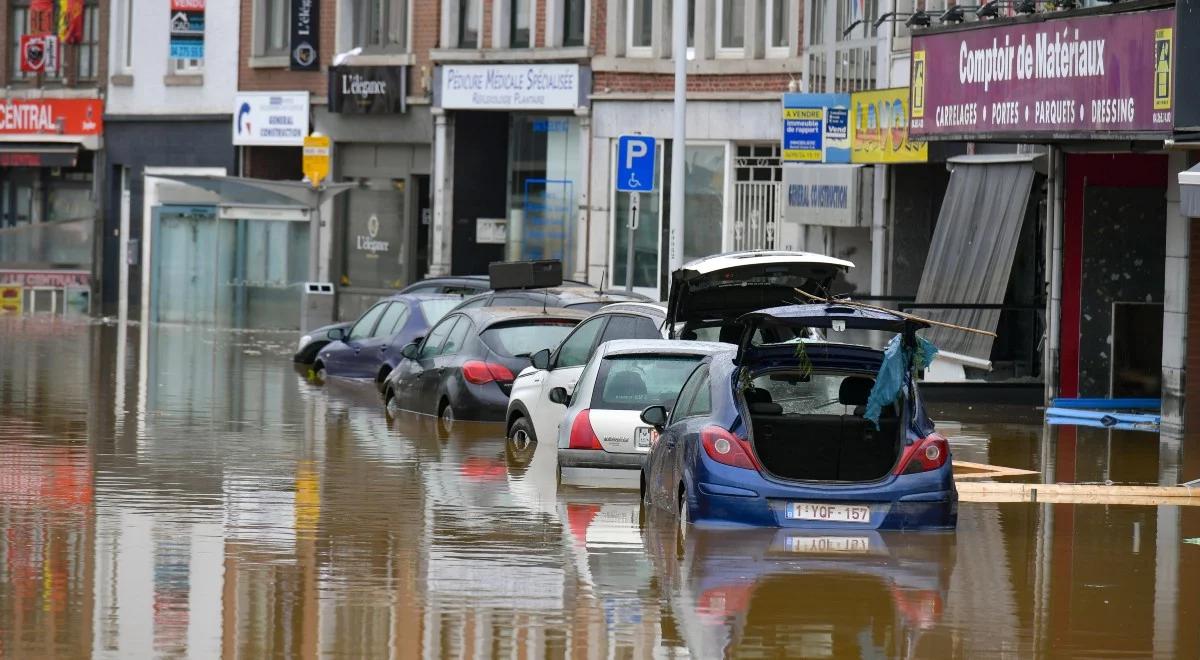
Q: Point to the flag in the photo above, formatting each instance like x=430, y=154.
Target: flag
x=70, y=21
x=856, y=9
x=41, y=17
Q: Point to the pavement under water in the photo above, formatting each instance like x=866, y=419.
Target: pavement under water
x=167, y=491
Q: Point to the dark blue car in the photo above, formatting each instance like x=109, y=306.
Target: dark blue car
x=775, y=435
x=370, y=347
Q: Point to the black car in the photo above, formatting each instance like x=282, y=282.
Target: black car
x=568, y=297
x=314, y=340
x=465, y=367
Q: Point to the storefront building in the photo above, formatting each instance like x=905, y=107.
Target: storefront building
x=1089, y=93
x=512, y=139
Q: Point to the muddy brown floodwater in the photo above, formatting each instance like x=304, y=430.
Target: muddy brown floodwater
x=172, y=491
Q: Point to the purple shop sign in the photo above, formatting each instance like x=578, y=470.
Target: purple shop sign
x=1107, y=74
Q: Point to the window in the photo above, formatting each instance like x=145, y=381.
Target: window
x=632, y=382
x=778, y=26
x=630, y=327
x=187, y=67
x=457, y=337
x=391, y=321
x=695, y=399
x=574, y=19
x=704, y=200
x=366, y=323
x=433, y=342
x=577, y=348
x=87, y=52
x=639, y=27
x=273, y=34
x=468, y=23
x=731, y=25
x=380, y=25
x=518, y=24
x=525, y=338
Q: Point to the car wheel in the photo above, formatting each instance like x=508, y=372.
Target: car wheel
x=446, y=417
x=318, y=373
x=684, y=520
x=381, y=379
x=644, y=498
x=389, y=402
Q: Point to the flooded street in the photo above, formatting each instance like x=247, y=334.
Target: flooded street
x=171, y=491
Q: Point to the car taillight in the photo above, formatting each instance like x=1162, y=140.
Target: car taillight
x=583, y=436
x=479, y=372
x=924, y=455
x=725, y=447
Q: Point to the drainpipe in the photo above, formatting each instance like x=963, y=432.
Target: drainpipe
x=1054, y=253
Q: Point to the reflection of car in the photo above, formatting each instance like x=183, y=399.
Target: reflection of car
x=314, y=340
x=370, y=348
x=568, y=296
x=775, y=435
x=879, y=592
x=602, y=439
x=464, y=368
x=531, y=413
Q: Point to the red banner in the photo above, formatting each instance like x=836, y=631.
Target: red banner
x=51, y=116
x=39, y=53
x=70, y=21
x=41, y=17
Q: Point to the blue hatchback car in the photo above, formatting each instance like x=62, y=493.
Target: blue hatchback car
x=370, y=347
x=775, y=435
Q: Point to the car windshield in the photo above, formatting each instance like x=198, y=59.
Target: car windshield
x=524, y=338
x=434, y=310
x=633, y=382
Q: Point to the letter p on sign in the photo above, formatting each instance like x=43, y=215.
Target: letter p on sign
x=635, y=163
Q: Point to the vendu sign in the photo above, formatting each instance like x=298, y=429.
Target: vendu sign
x=1107, y=74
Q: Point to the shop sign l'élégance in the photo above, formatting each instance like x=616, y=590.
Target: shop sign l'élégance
x=51, y=117
x=1100, y=74
x=368, y=90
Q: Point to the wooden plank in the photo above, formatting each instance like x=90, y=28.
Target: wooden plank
x=974, y=491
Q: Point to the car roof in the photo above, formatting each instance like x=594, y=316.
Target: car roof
x=706, y=265
x=422, y=296
x=657, y=310
x=664, y=347
x=486, y=316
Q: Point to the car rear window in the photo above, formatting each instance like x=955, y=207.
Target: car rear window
x=524, y=338
x=434, y=310
x=633, y=382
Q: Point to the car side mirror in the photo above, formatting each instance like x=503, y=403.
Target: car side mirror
x=541, y=359
x=655, y=416
x=410, y=350
x=559, y=395
x=337, y=334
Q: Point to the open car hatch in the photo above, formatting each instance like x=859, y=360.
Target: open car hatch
x=724, y=287
x=834, y=316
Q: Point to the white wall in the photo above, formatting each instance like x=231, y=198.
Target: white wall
x=148, y=21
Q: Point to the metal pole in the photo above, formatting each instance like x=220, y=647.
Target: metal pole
x=679, y=137
x=314, y=236
x=632, y=225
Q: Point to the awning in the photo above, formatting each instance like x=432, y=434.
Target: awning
x=971, y=255
x=38, y=155
x=261, y=192
x=1189, y=192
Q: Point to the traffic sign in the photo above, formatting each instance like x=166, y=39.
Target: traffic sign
x=315, y=162
x=635, y=163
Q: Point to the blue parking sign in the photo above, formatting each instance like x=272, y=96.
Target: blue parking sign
x=635, y=163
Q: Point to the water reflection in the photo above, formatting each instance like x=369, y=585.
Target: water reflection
x=171, y=491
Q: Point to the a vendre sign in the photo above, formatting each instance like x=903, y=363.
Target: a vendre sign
x=1105, y=74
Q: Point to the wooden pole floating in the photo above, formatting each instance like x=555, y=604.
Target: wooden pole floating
x=904, y=315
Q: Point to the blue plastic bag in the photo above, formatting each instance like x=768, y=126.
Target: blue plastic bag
x=894, y=373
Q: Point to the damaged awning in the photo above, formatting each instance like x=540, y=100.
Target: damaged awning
x=261, y=192
x=1189, y=192
x=971, y=256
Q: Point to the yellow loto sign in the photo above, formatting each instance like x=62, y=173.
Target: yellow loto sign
x=315, y=163
x=879, y=128
x=10, y=299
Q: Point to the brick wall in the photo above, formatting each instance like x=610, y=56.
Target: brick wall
x=539, y=37
x=607, y=82
x=598, y=37
x=282, y=79
x=426, y=33
x=485, y=36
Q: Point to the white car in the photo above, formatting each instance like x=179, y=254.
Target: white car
x=603, y=440
x=707, y=295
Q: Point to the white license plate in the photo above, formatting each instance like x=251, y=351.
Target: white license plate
x=642, y=437
x=847, y=513
x=850, y=545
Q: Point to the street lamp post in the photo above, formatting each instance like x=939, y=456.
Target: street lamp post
x=679, y=136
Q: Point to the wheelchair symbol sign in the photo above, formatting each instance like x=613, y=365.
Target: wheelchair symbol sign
x=635, y=163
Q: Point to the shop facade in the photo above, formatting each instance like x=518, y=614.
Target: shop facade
x=380, y=236
x=1085, y=99
x=510, y=147
x=50, y=149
